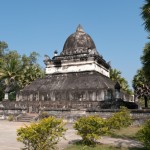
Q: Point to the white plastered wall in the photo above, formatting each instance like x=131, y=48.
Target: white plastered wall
x=77, y=67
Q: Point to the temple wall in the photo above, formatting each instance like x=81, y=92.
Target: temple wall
x=70, y=95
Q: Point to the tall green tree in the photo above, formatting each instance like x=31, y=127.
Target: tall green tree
x=146, y=52
x=145, y=59
x=141, y=81
x=10, y=71
x=141, y=87
x=146, y=14
x=17, y=71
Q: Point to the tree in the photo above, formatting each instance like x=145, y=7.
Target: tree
x=10, y=71
x=146, y=52
x=17, y=71
x=115, y=75
x=146, y=14
x=31, y=69
x=43, y=135
x=141, y=81
x=141, y=86
x=146, y=61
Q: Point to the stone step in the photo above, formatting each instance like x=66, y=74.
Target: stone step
x=26, y=118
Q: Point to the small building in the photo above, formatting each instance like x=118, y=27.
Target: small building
x=78, y=77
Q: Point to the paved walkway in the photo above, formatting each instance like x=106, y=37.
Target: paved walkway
x=8, y=137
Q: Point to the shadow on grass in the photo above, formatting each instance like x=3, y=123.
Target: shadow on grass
x=80, y=145
x=123, y=136
x=137, y=148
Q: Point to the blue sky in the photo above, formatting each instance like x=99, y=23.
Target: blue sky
x=44, y=25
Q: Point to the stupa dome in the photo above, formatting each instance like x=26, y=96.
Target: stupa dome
x=78, y=43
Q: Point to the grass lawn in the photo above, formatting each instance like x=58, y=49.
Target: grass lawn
x=100, y=147
x=125, y=133
x=129, y=132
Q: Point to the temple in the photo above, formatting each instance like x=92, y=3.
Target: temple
x=78, y=77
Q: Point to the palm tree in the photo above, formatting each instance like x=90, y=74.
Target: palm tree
x=17, y=71
x=30, y=73
x=141, y=87
x=141, y=81
x=115, y=75
x=146, y=14
x=146, y=61
x=10, y=73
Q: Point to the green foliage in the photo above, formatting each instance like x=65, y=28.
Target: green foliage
x=120, y=119
x=12, y=95
x=145, y=14
x=43, y=115
x=90, y=128
x=43, y=135
x=145, y=59
x=115, y=75
x=141, y=81
x=2, y=88
x=141, y=87
x=97, y=147
x=126, y=133
x=3, y=47
x=17, y=71
x=10, y=118
x=144, y=134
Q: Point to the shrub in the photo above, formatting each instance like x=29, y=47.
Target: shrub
x=43, y=115
x=120, y=119
x=43, y=135
x=10, y=118
x=90, y=128
x=144, y=134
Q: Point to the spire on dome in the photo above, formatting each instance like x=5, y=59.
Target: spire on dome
x=79, y=28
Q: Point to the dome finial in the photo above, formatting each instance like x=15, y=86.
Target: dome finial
x=79, y=28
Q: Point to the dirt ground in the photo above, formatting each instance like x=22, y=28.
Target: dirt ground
x=8, y=137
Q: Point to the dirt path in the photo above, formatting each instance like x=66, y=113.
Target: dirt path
x=8, y=137
x=71, y=137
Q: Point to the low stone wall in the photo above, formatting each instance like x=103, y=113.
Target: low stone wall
x=139, y=116
x=68, y=113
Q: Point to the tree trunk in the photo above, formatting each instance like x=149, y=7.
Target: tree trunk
x=146, y=101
